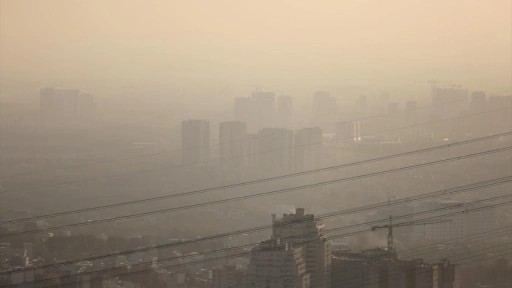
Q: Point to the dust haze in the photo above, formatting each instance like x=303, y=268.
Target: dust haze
x=182, y=129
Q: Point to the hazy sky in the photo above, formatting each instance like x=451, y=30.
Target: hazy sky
x=113, y=45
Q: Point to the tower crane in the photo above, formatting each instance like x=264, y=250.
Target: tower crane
x=390, y=227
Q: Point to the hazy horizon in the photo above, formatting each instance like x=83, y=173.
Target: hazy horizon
x=131, y=47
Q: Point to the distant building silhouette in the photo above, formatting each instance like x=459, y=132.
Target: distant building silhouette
x=257, y=111
x=478, y=101
x=378, y=268
x=308, y=149
x=284, y=111
x=449, y=101
x=195, y=141
x=275, y=150
x=65, y=104
x=232, y=137
x=324, y=109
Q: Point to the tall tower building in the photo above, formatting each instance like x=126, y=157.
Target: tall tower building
x=195, y=141
x=308, y=232
x=308, y=149
x=275, y=264
x=232, y=135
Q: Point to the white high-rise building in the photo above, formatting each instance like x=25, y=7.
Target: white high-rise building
x=275, y=264
x=308, y=232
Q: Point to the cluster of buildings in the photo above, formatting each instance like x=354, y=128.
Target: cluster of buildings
x=378, y=268
x=65, y=104
x=261, y=138
x=298, y=254
x=271, y=149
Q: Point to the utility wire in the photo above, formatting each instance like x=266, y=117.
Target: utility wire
x=257, y=181
x=263, y=194
x=228, y=142
x=254, y=244
x=314, y=234
x=451, y=191
x=151, y=170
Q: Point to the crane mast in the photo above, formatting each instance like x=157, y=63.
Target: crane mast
x=390, y=227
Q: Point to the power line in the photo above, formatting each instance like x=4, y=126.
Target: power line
x=451, y=191
x=151, y=170
x=257, y=181
x=263, y=194
x=303, y=242
x=328, y=230
x=423, y=249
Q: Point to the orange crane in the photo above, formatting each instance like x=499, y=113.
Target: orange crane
x=390, y=227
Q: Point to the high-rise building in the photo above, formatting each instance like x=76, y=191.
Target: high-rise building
x=195, y=141
x=284, y=111
x=449, y=101
x=308, y=149
x=379, y=268
x=264, y=108
x=250, y=148
x=275, y=264
x=257, y=111
x=242, y=110
x=308, y=232
x=65, y=103
x=325, y=109
x=232, y=136
x=496, y=102
x=275, y=150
